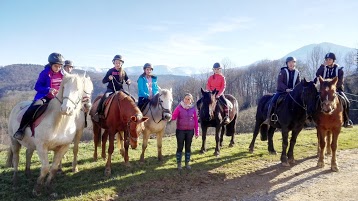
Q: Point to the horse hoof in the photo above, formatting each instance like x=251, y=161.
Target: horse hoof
x=285, y=164
x=59, y=172
x=291, y=161
x=231, y=145
x=320, y=164
x=251, y=151
x=334, y=168
x=107, y=172
x=202, y=151
x=75, y=170
x=54, y=195
x=216, y=153
x=127, y=164
x=272, y=152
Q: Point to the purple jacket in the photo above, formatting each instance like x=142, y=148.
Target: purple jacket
x=186, y=118
x=43, y=83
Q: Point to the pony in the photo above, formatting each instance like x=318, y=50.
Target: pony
x=55, y=132
x=329, y=120
x=123, y=116
x=159, y=111
x=211, y=114
x=292, y=113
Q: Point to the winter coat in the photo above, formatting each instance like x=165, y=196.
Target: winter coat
x=287, y=79
x=143, y=88
x=47, y=79
x=186, y=117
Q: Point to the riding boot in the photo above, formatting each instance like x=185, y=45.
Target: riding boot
x=268, y=115
x=179, y=156
x=99, y=112
x=26, y=120
x=347, y=122
x=187, y=160
x=226, y=119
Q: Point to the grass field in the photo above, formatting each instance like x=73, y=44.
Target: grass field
x=146, y=180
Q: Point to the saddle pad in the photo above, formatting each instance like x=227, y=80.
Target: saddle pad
x=23, y=109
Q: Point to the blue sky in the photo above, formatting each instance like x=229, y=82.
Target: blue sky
x=193, y=33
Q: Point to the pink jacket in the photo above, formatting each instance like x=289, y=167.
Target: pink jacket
x=218, y=82
x=186, y=118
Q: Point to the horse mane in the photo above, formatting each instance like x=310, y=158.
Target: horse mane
x=155, y=100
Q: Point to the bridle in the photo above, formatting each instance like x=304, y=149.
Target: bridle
x=129, y=136
x=164, y=110
x=303, y=105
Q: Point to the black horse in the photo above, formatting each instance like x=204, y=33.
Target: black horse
x=212, y=114
x=292, y=113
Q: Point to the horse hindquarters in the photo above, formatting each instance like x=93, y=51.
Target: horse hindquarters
x=230, y=130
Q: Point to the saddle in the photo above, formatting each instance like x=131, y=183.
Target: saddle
x=36, y=118
x=229, y=105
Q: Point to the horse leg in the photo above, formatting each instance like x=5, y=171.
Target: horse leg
x=126, y=147
x=159, y=144
x=120, y=142
x=222, y=136
x=321, y=134
x=290, y=154
x=59, y=153
x=29, y=153
x=13, y=155
x=256, y=132
x=334, y=164
x=45, y=167
x=271, y=148
x=75, y=149
x=328, y=143
x=204, y=130
x=104, y=142
x=96, y=137
x=144, y=145
x=107, y=170
x=284, y=160
x=217, y=140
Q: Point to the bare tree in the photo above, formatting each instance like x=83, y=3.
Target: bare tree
x=314, y=60
x=349, y=63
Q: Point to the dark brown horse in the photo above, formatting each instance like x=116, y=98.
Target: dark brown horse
x=211, y=115
x=292, y=114
x=123, y=116
x=329, y=120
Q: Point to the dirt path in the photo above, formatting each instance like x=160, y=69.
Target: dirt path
x=302, y=182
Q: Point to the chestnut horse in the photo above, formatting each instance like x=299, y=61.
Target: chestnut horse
x=211, y=115
x=123, y=115
x=292, y=114
x=328, y=119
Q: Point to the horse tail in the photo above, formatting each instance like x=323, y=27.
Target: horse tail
x=264, y=132
x=9, y=158
x=230, y=128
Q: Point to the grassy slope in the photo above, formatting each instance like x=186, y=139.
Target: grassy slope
x=151, y=179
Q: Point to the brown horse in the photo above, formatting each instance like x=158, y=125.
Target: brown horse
x=123, y=116
x=329, y=119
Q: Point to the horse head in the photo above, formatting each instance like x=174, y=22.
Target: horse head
x=166, y=101
x=87, y=93
x=328, y=96
x=309, y=95
x=71, y=90
x=136, y=127
x=208, y=105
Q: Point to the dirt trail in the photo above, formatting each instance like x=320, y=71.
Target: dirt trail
x=304, y=181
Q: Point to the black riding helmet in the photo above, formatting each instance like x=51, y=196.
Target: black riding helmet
x=117, y=57
x=55, y=58
x=330, y=55
x=148, y=65
x=288, y=59
x=216, y=65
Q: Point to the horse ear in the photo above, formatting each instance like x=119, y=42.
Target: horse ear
x=85, y=74
x=144, y=119
x=133, y=118
x=170, y=90
x=64, y=72
x=335, y=80
x=202, y=91
x=320, y=79
x=215, y=91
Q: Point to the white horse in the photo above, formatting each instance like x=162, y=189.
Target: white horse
x=57, y=130
x=159, y=113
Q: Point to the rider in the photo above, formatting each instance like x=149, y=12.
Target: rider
x=187, y=123
x=217, y=81
x=147, y=85
x=47, y=86
x=329, y=69
x=68, y=66
x=287, y=79
x=115, y=77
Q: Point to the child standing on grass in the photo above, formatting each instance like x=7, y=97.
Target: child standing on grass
x=187, y=124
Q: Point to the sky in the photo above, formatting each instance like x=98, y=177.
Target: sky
x=183, y=33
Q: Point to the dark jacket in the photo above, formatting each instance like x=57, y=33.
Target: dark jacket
x=287, y=79
x=117, y=80
x=330, y=72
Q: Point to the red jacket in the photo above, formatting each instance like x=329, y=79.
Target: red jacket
x=218, y=82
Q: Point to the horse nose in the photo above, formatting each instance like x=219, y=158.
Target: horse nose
x=66, y=110
x=168, y=116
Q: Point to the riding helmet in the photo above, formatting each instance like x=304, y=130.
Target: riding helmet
x=216, y=65
x=147, y=65
x=68, y=63
x=117, y=57
x=56, y=58
x=330, y=55
x=288, y=59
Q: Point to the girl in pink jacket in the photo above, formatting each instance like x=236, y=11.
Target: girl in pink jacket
x=187, y=125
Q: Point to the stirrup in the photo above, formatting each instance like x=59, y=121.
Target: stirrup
x=19, y=135
x=274, y=118
x=348, y=124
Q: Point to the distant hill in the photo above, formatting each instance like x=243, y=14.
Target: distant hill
x=301, y=53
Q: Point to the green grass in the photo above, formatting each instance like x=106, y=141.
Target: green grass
x=144, y=181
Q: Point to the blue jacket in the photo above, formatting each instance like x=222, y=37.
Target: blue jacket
x=43, y=83
x=143, y=90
